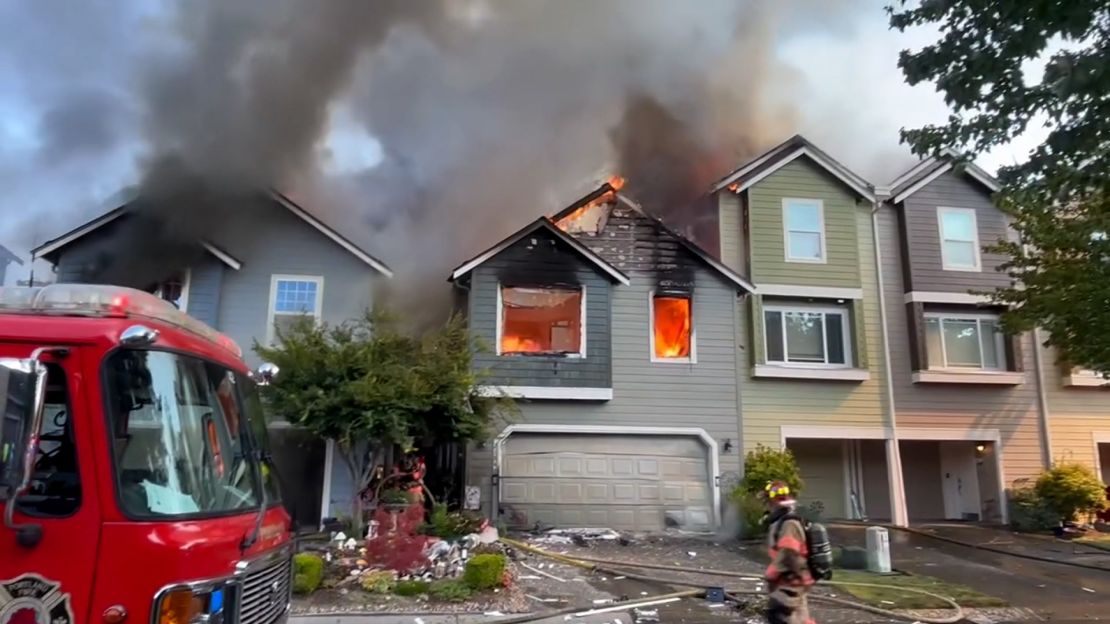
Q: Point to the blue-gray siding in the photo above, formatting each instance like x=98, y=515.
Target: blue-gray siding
x=541, y=260
x=205, y=281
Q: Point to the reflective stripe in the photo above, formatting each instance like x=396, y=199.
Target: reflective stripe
x=772, y=573
x=790, y=543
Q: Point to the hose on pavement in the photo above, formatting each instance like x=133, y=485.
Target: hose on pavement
x=615, y=568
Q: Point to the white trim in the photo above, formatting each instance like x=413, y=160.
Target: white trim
x=325, y=491
x=696, y=432
x=96, y=223
x=847, y=478
x=816, y=292
x=333, y=235
x=801, y=151
x=901, y=197
x=798, y=371
x=500, y=323
x=1099, y=437
x=925, y=296
x=914, y=170
x=186, y=281
x=830, y=432
x=971, y=169
x=222, y=255
x=786, y=231
x=941, y=211
x=271, y=313
x=551, y=393
x=1084, y=379
x=693, y=357
x=742, y=171
x=824, y=311
x=512, y=240
x=1001, y=378
x=999, y=342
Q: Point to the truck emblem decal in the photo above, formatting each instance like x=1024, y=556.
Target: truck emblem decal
x=275, y=594
x=32, y=599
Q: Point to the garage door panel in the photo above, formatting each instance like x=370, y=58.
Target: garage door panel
x=624, y=482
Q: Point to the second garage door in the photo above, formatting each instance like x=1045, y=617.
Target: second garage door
x=624, y=482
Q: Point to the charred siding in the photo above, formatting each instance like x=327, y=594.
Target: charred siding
x=637, y=245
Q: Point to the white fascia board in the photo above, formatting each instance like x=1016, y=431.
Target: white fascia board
x=901, y=197
x=1000, y=378
x=832, y=168
x=819, y=292
x=771, y=371
x=826, y=432
x=222, y=256
x=548, y=393
x=333, y=235
x=950, y=434
x=914, y=170
x=1084, y=381
x=923, y=296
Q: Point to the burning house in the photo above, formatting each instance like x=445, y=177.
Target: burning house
x=618, y=337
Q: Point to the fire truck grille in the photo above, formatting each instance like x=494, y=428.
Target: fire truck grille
x=266, y=593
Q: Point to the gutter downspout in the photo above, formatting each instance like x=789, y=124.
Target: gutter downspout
x=1042, y=401
x=899, y=515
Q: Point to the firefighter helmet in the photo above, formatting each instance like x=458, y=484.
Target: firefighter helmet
x=778, y=491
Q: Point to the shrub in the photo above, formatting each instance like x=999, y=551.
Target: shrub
x=1070, y=488
x=450, y=590
x=485, y=571
x=1029, y=512
x=411, y=588
x=308, y=572
x=449, y=525
x=764, y=464
x=377, y=581
x=401, y=549
x=752, y=512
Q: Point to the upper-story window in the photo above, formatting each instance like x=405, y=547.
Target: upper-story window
x=804, y=230
x=541, y=321
x=959, y=239
x=175, y=290
x=964, y=341
x=672, y=328
x=292, y=297
x=807, y=335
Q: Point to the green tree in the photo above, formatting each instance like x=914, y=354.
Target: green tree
x=1058, y=199
x=369, y=386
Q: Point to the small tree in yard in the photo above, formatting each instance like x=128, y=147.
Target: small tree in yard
x=765, y=464
x=369, y=386
x=1070, y=489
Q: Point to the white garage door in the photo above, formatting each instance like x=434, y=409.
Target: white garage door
x=622, y=482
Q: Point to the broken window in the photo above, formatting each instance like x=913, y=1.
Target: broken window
x=174, y=290
x=672, y=327
x=541, y=320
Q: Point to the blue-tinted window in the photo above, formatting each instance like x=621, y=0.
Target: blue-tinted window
x=296, y=297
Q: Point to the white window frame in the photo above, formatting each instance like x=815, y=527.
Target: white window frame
x=1000, y=342
x=186, y=280
x=693, y=357
x=501, y=322
x=272, y=302
x=845, y=331
x=945, y=263
x=786, y=202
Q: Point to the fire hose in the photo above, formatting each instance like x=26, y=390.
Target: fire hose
x=614, y=568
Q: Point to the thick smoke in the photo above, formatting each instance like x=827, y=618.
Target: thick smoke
x=487, y=114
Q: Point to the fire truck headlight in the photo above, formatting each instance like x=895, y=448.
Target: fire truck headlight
x=191, y=606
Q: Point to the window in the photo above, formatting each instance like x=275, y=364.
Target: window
x=807, y=335
x=55, y=489
x=964, y=342
x=804, y=225
x=959, y=239
x=672, y=328
x=175, y=290
x=291, y=298
x=541, y=321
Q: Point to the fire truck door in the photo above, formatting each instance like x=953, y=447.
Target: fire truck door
x=51, y=581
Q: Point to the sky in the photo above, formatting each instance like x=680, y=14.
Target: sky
x=71, y=119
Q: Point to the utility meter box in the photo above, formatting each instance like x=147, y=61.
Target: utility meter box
x=878, y=550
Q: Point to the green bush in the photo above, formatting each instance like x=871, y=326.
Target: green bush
x=450, y=590
x=752, y=511
x=764, y=464
x=411, y=588
x=449, y=525
x=485, y=572
x=1069, y=489
x=1029, y=512
x=377, y=581
x=308, y=572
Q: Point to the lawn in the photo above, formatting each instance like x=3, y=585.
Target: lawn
x=1095, y=540
x=892, y=598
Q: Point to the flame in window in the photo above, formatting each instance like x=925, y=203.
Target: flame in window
x=673, y=323
x=541, y=321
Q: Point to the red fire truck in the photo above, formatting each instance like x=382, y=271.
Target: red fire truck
x=135, y=479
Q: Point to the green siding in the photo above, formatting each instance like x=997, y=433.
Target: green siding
x=802, y=179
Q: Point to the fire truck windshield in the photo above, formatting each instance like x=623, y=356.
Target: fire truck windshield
x=180, y=442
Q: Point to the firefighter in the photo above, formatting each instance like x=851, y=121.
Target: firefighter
x=788, y=576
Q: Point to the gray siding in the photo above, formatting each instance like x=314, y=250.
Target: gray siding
x=1012, y=410
x=282, y=243
x=540, y=260
x=205, y=282
x=922, y=236
x=646, y=393
x=87, y=256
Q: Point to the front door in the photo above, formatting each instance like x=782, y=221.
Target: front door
x=960, y=480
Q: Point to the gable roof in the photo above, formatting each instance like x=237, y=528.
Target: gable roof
x=924, y=172
x=6, y=256
x=783, y=154
x=543, y=223
x=52, y=247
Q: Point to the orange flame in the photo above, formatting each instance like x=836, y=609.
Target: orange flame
x=617, y=182
x=734, y=186
x=672, y=327
x=519, y=344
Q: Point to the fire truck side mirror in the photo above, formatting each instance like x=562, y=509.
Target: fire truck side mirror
x=22, y=394
x=266, y=373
